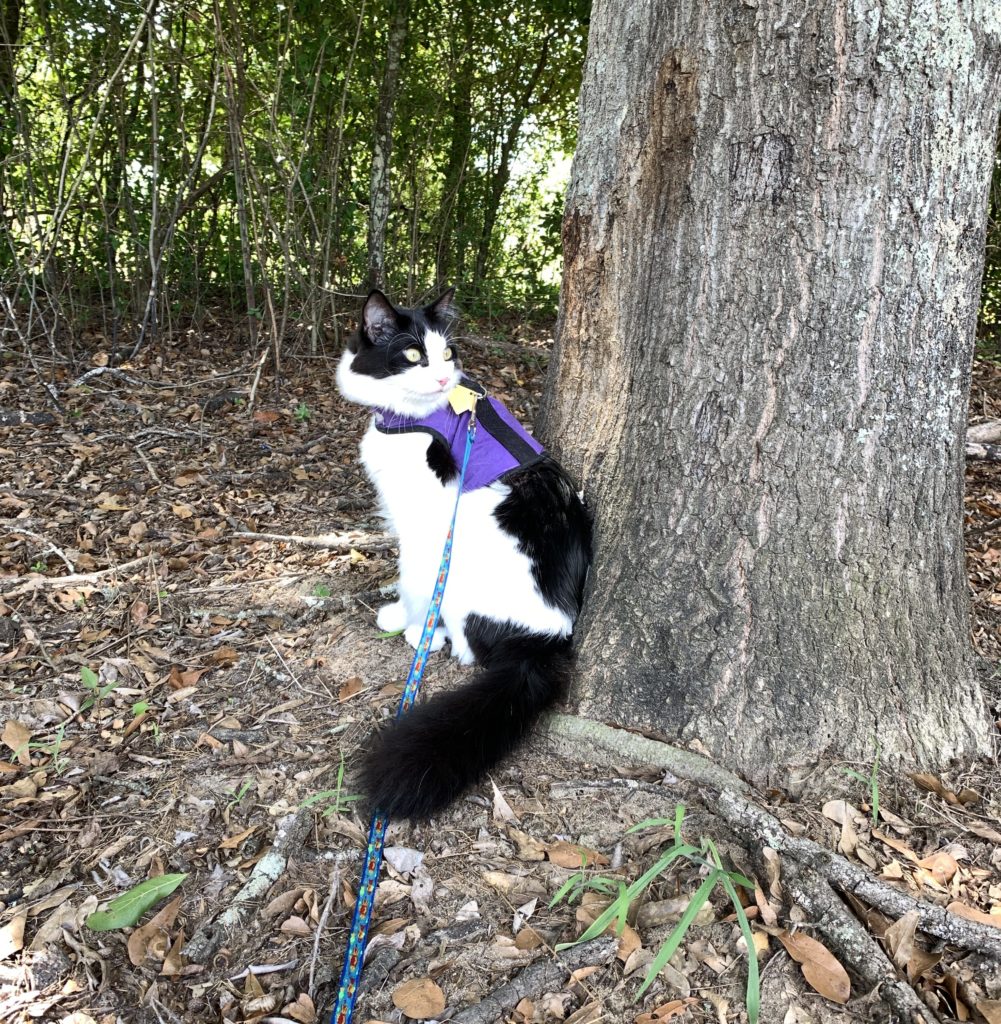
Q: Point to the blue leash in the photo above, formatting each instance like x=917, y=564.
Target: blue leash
x=347, y=992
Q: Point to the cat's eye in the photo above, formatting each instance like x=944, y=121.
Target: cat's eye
x=413, y=354
x=447, y=353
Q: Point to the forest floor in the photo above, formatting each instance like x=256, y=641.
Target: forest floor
x=182, y=694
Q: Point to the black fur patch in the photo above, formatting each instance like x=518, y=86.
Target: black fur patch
x=380, y=354
x=423, y=761
x=553, y=528
x=441, y=461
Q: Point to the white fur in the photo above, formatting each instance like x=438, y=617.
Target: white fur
x=489, y=576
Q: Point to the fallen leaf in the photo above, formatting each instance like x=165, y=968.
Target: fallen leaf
x=991, y=1010
x=820, y=967
x=419, y=998
x=172, y=963
x=12, y=936
x=501, y=808
x=302, y=1010
x=900, y=938
x=528, y=938
x=526, y=847
x=941, y=865
x=570, y=855
x=933, y=784
x=296, y=926
x=350, y=688
x=971, y=914
x=125, y=910
x=232, y=842
x=152, y=939
x=666, y=1011
x=16, y=737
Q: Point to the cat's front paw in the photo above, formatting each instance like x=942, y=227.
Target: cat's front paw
x=412, y=635
x=391, y=618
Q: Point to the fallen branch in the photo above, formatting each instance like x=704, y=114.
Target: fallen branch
x=983, y=452
x=27, y=584
x=337, y=542
x=289, y=837
x=539, y=977
x=988, y=432
x=754, y=823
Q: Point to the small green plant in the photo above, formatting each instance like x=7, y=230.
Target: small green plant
x=53, y=748
x=90, y=680
x=38, y=566
x=238, y=794
x=872, y=781
x=321, y=590
x=140, y=708
x=336, y=799
x=707, y=856
x=302, y=412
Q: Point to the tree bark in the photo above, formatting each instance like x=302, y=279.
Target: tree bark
x=773, y=245
x=382, y=146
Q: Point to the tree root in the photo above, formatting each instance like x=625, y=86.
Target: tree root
x=813, y=875
x=753, y=823
x=537, y=978
x=584, y=739
x=849, y=940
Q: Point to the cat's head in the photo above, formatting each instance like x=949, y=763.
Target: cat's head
x=401, y=359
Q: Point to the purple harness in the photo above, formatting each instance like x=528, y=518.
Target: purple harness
x=502, y=443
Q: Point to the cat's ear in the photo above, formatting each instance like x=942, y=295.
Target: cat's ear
x=378, y=318
x=443, y=308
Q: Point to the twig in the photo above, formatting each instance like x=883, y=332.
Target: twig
x=541, y=976
x=257, y=969
x=42, y=540
x=31, y=583
x=149, y=465
x=339, y=542
x=335, y=882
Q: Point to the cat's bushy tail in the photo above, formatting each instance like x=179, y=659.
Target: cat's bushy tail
x=426, y=759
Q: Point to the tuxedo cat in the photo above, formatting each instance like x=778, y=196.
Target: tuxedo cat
x=521, y=551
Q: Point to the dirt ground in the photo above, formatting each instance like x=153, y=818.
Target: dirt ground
x=183, y=694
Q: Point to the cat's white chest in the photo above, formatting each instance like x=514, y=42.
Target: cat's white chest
x=411, y=495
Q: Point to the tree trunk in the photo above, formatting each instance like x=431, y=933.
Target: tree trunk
x=773, y=242
x=382, y=147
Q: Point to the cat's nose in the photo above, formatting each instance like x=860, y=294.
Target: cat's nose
x=442, y=381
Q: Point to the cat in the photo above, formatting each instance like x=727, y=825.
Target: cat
x=521, y=553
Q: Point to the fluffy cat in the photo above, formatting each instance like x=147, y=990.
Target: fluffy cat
x=522, y=548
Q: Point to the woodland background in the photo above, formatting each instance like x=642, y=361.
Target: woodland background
x=159, y=162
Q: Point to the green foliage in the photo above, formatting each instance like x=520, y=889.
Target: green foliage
x=321, y=590
x=708, y=858
x=989, y=325
x=152, y=168
x=302, y=412
x=125, y=910
x=91, y=681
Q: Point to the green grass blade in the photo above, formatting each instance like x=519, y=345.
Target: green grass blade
x=753, y=997
x=673, y=940
x=649, y=823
